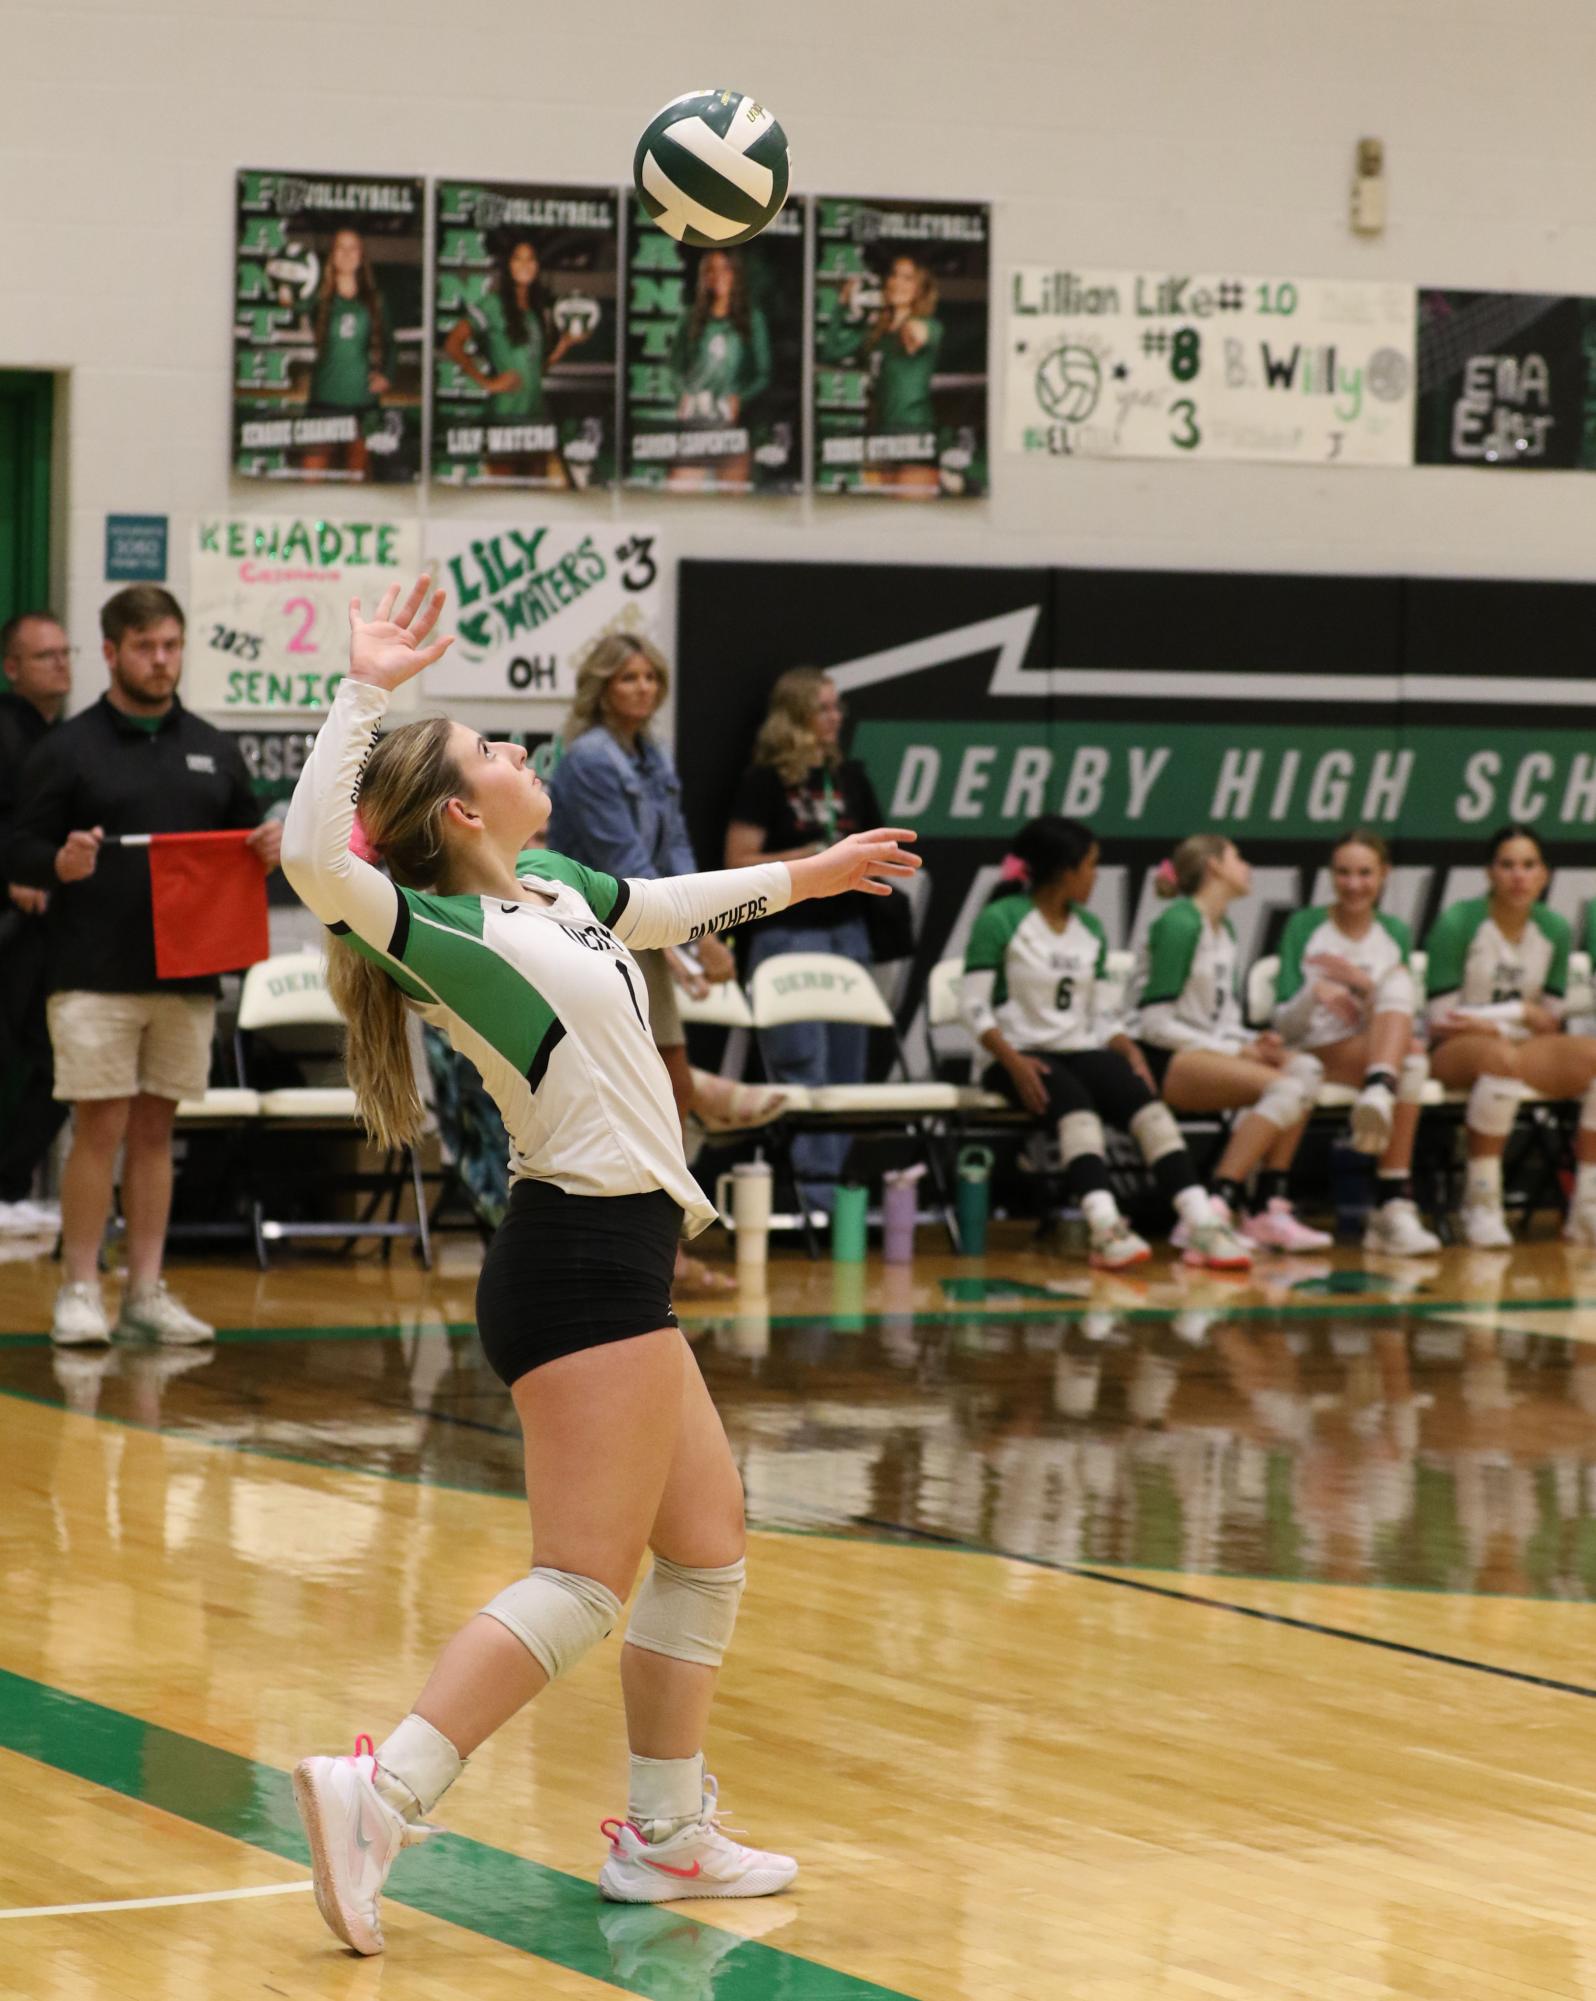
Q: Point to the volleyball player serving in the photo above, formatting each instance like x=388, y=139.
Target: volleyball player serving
x=523, y=960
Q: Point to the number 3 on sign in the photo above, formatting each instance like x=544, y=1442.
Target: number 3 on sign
x=301, y=641
x=1187, y=437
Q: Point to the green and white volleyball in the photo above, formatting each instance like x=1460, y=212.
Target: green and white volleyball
x=712, y=169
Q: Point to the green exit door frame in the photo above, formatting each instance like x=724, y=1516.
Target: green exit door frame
x=27, y=403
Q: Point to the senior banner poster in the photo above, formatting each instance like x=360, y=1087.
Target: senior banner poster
x=900, y=348
x=268, y=630
x=525, y=305
x=526, y=600
x=327, y=329
x=1506, y=379
x=714, y=361
x=1161, y=364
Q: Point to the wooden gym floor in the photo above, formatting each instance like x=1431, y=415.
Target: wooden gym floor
x=1161, y=1637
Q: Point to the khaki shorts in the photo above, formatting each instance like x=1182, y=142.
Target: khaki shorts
x=116, y=1045
x=665, y=1017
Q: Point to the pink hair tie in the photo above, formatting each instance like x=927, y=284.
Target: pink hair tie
x=1164, y=875
x=1014, y=870
x=360, y=843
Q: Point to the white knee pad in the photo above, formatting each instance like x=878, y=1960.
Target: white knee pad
x=1289, y=1099
x=1156, y=1131
x=1395, y=992
x=687, y=1614
x=557, y=1616
x=1415, y=1075
x=1493, y=1105
x=1079, y=1133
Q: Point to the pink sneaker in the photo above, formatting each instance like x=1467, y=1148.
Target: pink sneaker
x=1276, y=1229
x=354, y=1837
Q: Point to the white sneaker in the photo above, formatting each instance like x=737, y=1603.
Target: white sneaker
x=354, y=1836
x=1117, y=1246
x=1395, y=1231
x=38, y=1215
x=696, y=1861
x=1216, y=1247
x=1485, y=1227
x=154, y=1314
x=15, y=1221
x=1581, y=1225
x=1372, y=1112
x=79, y=1320
x=1219, y=1212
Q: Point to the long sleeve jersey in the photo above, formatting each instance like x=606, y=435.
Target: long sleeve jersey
x=1041, y=987
x=1382, y=952
x=1476, y=970
x=541, y=993
x=1188, y=998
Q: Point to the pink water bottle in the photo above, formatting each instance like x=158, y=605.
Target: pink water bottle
x=900, y=1209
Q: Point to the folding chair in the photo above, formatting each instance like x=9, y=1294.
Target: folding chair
x=285, y=1006
x=825, y=986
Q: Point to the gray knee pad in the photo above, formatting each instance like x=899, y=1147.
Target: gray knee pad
x=1415, y=1075
x=1156, y=1131
x=557, y=1616
x=1493, y=1105
x=1080, y=1135
x=1289, y=1099
x=687, y=1614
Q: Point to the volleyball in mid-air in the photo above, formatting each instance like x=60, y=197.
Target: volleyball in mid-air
x=712, y=168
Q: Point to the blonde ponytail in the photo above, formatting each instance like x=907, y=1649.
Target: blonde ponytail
x=409, y=779
x=1182, y=874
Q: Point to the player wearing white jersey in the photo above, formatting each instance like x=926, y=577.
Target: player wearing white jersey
x=1345, y=993
x=524, y=961
x=1498, y=971
x=1033, y=998
x=1190, y=1026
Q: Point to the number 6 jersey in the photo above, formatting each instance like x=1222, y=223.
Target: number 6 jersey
x=1038, y=985
x=541, y=993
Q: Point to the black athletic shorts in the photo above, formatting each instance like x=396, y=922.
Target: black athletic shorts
x=1158, y=1060
x=566, y=1272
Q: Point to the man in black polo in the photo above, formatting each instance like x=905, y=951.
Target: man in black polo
x=127, y=1045
x=37, y=664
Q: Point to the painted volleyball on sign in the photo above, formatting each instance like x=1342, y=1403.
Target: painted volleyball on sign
x=712, y=168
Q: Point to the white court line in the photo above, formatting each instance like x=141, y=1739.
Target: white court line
x=153, y=1903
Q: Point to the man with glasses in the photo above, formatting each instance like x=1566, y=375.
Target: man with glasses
x=37, y=662
x=128, y=1046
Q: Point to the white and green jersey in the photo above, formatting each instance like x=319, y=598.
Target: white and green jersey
x=1382, y=952
x=1188, y=994
x=541, y=993
x=1476, y=969
x=1038, y=985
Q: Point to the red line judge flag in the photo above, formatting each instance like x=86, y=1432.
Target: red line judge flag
x=208, y=893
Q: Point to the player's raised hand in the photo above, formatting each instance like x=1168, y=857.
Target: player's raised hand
x=870, y=862
x=391, y=648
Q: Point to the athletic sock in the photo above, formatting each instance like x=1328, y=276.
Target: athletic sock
x=1193, y=1205
x=1099, y=1208
x=1272, y=1185
x=1377, y=1073
x=1585, y=1184
x=1482, y=1189
x=664, y=1794
x=1393, y=1188
x=416, y=1765
x=1231, y=1192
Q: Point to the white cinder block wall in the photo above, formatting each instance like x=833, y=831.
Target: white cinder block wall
x=1106, y=132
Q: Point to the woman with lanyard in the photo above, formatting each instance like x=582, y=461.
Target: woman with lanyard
x=618, y=807
x=799, y=795
x=522, y=959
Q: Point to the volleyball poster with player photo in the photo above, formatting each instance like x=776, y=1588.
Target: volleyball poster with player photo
x=528, y=598
x=714, y=361
x=525, y=300
x=327, y=327
x=1506, y=379
x=901, y=307
x=1176, y=365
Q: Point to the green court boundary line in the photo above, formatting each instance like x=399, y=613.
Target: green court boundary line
x=523, y=1904
x=1328, y=1306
